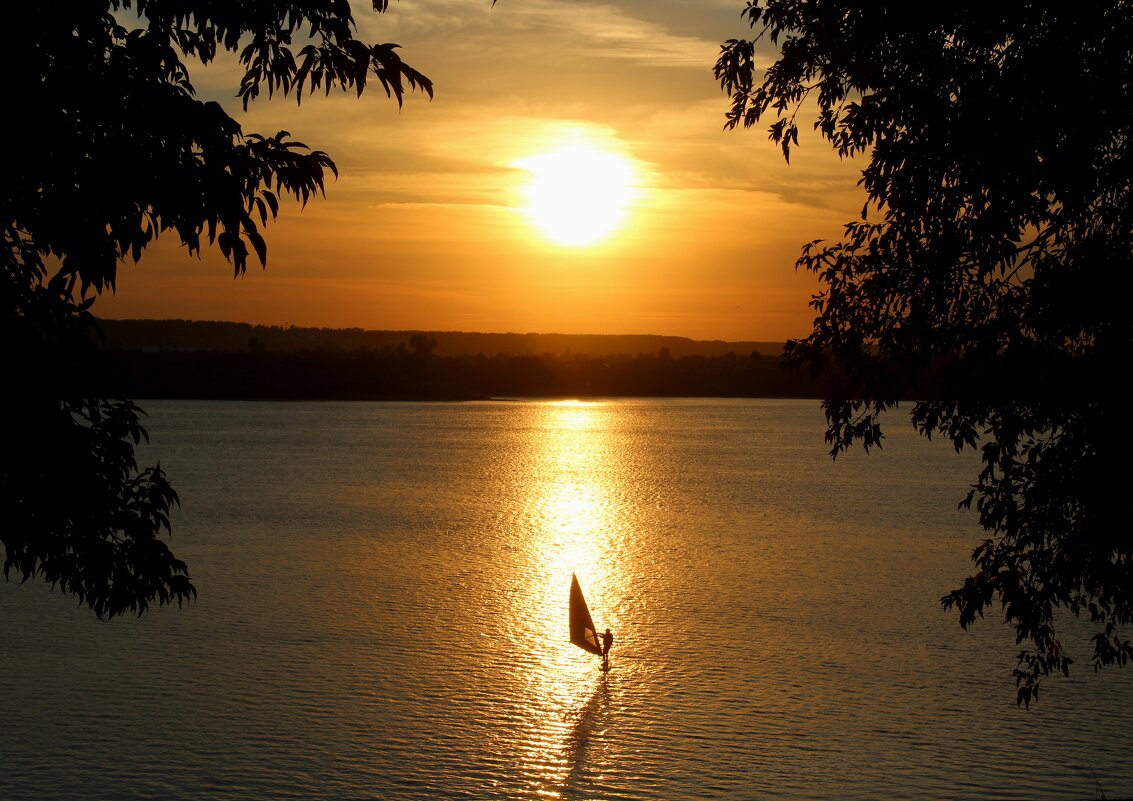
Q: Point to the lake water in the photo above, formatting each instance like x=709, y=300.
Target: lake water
x=383, y=615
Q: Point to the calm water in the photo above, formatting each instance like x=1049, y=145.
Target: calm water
x=383, y=615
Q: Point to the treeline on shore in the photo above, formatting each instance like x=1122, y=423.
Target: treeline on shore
x=152, y=335
x=393, y=375
x=412, y=369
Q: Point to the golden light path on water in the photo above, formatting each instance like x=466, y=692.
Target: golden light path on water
x=572, y=532
x=384, y=614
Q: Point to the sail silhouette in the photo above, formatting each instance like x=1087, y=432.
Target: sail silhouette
x=582, y=632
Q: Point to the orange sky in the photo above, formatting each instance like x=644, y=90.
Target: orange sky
x=428, y=225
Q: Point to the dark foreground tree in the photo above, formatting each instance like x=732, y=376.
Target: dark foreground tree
x=106, y=146
x=989, y=273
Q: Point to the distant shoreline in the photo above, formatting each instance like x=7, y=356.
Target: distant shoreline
x=177, y=359
x=190, y=335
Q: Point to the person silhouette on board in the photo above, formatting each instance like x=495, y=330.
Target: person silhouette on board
x=607, y=641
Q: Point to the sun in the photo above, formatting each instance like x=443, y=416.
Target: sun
x=578, y=195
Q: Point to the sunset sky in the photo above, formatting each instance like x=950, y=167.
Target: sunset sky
x=451, y=213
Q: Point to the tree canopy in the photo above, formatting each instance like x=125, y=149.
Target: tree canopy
x=996, y=245
x=108, y=147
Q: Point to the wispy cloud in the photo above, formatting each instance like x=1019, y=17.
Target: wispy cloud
x=592, y=30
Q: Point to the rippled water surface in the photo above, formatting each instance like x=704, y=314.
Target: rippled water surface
x=382, y=614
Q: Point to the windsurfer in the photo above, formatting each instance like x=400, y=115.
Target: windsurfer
x=607, y=641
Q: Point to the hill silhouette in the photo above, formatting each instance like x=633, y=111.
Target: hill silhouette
x=238, y=337
x=219, y=360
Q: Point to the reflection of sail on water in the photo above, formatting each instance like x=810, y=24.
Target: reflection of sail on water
x=591, y=719
x=582, y=631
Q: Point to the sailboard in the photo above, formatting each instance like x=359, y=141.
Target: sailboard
x=582, y=632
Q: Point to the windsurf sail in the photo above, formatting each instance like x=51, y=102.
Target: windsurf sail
x=582, y=631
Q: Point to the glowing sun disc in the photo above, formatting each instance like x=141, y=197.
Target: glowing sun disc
x=577, y=195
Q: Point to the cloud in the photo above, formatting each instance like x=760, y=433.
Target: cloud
x=591, y=30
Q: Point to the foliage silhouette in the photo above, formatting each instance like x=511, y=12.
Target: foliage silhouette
x=997, y=240
x=110, y=148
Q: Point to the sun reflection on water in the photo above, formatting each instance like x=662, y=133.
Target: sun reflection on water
x=573, y=531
